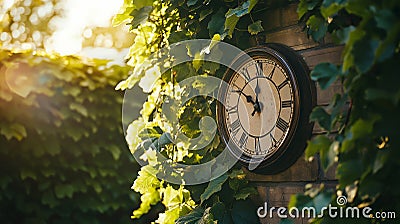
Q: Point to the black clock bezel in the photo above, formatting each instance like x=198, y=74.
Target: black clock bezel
x=304, y=99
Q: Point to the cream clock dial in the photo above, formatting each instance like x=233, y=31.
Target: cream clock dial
x=263, y=106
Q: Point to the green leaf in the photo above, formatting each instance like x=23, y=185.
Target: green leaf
x=213, y=187
x=331, y=7
x=322, y=117
x=252, y=4
x=205, y=13
x=255, y=28
x=305, y=6
x=191, y=2
x=317, y=144
x=342, y=36
x=364, y=53
x=146, y=179
x=230, y=24
x=349, y=171
x=140, y=16
x=15, y=130
x=328, y=155
x=192, y=218
x=150, y=197
x=218, y=211
x=142, y=3
x=317, y=27
x=216, y=24
x=244, y=193
x=323, y=199
x=300, y=201
x=325, y=74
x=122, y=17
x=63, y=191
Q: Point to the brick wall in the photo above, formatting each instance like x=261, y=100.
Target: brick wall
x=283, y=27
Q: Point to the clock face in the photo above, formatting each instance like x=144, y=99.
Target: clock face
x=261, y=106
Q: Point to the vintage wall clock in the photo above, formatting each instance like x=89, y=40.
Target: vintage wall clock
x=265, y=117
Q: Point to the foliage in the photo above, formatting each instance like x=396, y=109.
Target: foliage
x=63, y=158
x=364, y=141
x=159, y=24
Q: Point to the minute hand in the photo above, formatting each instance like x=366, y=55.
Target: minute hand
x=248, y=98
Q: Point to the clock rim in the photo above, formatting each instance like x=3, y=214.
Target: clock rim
x=255, y=53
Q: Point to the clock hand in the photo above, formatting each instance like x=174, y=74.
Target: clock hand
x=249, y=99
x=257, y=106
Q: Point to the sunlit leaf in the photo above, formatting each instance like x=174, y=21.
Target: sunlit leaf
x=213, y=187
x=255, y=28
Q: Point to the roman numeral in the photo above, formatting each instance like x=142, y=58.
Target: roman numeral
x=286, y=103
x=238, y=88
x=232, y=110
x=257, y=145
x=246, y=74
x=273, y=140
x=282, y=124
x=283, y=84
x=235, y=127
x=243, y=139
x=259, y=69
x=272, y=72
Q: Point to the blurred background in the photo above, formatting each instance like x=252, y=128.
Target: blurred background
x=63, y=156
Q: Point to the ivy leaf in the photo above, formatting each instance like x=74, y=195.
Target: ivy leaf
x=255, y=28
x=244, y=193
x=191, y=2
x=305, y=6
x=140, y=16
x=146, y=179
x=216, y=24
x=322, y=117
x=239, y=11
x=364, y=53
x=320, y=142
x=325, y=74
x=331, y=7
x=192, y=218
x=252, y=4
x=300, y=201
x=122, y=17
x=230, y=24
x=205, y=13
x=341, y=36
x=213, y=187
x=328, y=155
x=218, y=211
x=317, y=27
x=142, y=3
x=323, y=199
x=349, y=171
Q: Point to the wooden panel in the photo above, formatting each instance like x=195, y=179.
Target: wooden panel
x=292, y=36
x=325, y=96
x=289, y=15
x=301, y=170
x=330, y=54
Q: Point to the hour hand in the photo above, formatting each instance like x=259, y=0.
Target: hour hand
x=249, y=99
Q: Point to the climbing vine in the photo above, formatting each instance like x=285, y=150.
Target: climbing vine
x=159, y=24
x=362, y=123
